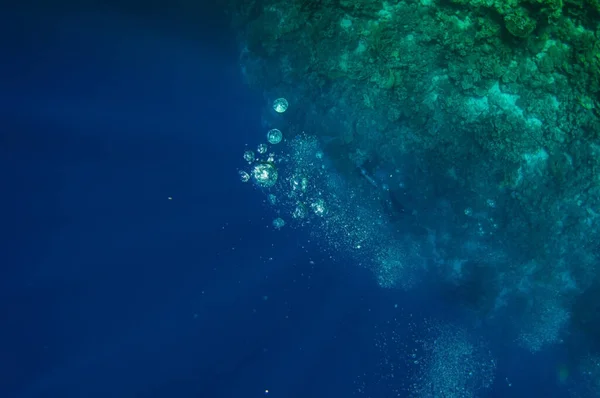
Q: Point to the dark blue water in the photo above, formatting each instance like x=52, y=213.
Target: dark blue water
x=110, y=288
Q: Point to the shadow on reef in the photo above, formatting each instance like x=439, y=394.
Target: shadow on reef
x=398, y=203
x=476, y=290
x=585, y=319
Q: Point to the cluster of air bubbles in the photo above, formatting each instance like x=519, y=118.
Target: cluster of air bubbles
x=318, y=207
x=263, y=171
x=428, y=359
x=396, y=266
x=454, y=364
x=544, y=324
x=341, y=215
x=264, y=164
x=306, y=190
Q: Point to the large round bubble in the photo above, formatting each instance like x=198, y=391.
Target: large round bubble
x=274, y=136
x=265, y=174
x=280, y=105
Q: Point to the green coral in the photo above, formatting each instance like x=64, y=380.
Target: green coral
x=519, y=24
x=552, y=9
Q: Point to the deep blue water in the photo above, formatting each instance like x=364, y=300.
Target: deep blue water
x=109, y=288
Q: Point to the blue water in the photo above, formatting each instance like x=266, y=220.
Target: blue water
x=134, y=262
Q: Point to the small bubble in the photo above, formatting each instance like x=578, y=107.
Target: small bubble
x=245, y=177
x=278, y=223
x=249, y=156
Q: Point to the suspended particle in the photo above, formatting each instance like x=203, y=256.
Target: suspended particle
x=262, y=148
x=274, y=136
x=249, y=156
x=271, y=158
x=280, y=105
x=272, y=199
x=245, y=177
x=265, y=174
x=278, y=223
